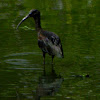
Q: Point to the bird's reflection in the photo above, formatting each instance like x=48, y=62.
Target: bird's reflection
x=48, y=85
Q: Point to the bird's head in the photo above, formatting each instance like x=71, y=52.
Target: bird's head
x=33, y=13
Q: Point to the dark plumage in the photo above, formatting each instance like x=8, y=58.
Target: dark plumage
x=48, y=41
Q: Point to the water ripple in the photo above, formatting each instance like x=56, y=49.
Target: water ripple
x=17, y=61
x=23, y=54
x=21, y=62
x=30, y=68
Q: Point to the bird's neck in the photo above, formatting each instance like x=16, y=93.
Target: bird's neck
x=37, y=23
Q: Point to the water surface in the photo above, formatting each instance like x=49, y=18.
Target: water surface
x=76, y=77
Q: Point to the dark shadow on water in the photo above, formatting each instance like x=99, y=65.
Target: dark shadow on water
x=48, y=85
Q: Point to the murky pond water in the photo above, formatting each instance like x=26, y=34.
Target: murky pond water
x=76, y=76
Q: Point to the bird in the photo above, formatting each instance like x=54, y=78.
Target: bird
x=48, y=42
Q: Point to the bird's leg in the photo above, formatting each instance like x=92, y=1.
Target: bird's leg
x=52, y=63
x=44, y=71
x=43, y=58
x=52, y=59
x=52, y=68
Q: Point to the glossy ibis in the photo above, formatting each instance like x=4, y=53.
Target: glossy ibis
x=48, y=41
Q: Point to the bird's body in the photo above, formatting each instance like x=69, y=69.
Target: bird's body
x=48, y=42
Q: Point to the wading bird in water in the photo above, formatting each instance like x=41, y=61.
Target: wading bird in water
x=48, y=41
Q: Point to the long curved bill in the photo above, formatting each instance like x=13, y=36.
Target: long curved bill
x=26, y=17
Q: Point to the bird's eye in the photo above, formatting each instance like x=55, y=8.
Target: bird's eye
x=35, y=13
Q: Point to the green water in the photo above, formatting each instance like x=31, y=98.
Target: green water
x=76, y=77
